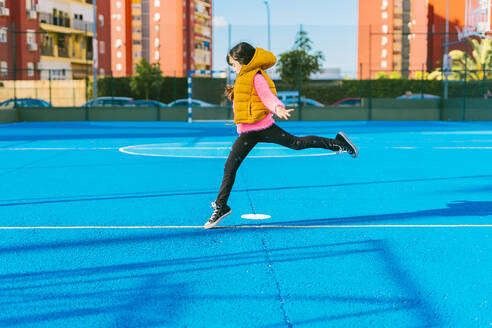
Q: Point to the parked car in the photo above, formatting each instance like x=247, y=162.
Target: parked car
x=108, y=101
x=146, y=103
x=293, y=101
x=347, y=102
x=417, y=96
x=24, y=102
x=194, y=102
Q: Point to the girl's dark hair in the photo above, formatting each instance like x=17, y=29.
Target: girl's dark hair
x=229, y=92
x=242, y=52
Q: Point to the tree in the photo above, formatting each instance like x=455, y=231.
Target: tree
x=299, y=62
x=478, y=66
x=148, y=78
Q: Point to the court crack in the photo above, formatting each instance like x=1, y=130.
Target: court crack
x=277, y=284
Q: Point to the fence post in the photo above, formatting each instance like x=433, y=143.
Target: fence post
x=174, y=87
x=14, y=59
x=465, y=84
x=422, y=85
x=49, y=86
x=360, y=83
x=484, y=91
x=112, y=85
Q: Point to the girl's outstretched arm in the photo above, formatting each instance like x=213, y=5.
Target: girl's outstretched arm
x=269, y=99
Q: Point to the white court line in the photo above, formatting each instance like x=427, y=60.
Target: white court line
x=67, y=148
x=460, y=132
x=257, y=226
x=127, y=149
x=462, y=147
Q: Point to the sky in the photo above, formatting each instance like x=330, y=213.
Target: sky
x=330, y=24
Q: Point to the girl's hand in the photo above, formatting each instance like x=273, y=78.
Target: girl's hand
x=282, y=112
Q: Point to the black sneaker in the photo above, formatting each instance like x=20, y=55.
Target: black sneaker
x=220, y=212
x=347, y=145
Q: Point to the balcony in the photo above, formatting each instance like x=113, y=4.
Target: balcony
x=47, y=51
x=62, y=21
x=63, y=52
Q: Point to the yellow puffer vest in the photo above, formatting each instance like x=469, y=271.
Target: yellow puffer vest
x=248, y=107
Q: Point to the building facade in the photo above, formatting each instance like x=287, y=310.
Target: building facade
x=406, y=36
x=392, y=37
x=19, y=40
x=66, y=48
x=176, y=34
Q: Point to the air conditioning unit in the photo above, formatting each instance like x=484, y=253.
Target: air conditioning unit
x=32, y=14
x=32, y=46
x=4, y=11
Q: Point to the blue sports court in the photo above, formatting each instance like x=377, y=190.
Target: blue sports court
x=101, y=226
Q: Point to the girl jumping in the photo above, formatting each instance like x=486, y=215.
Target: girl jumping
x=255, y=101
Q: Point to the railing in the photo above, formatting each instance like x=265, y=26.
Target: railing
x=63, y=52
x=48, y=18
x=47, y=51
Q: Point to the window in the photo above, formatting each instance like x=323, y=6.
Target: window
x=118, y=28
x=157, y=17
x=384, y=64
x=118, y=4
x=3, y=35
x=4, y=70
x=384, y=15
x=118, y=67
x=385, y=28
x=384, y=53
x=156, y=55
x=102, y=73
x=157, y=3
x=30, y=69
x=118, y=43
x=101, y=20
x=119, y=54
x=2, y=3
x=31, y=38
x=156, y=43
x=102, y=47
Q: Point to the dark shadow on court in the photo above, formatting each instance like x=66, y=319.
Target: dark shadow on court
x=158, y=300
x=158, y=194
x=453, y=210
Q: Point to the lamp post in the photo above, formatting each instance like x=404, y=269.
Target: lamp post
x=268, y=23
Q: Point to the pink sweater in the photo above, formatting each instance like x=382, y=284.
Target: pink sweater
x=268, y=99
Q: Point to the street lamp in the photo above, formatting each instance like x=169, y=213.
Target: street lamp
x=268, y=22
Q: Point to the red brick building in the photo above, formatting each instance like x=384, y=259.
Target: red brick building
x=19, y=40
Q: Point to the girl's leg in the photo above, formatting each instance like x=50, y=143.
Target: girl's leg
x=240, y=149
x=275, y=134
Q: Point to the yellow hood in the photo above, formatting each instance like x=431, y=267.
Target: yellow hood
x=262, y=59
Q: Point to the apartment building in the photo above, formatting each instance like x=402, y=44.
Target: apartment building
x=19, y=39
x=177, y=34
x=66, y=39
x=392, y=37
x=409, y=35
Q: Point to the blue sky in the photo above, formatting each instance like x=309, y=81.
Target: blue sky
x=331, y=25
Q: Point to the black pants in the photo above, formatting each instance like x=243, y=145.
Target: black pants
x=246, y=141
